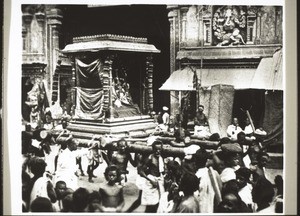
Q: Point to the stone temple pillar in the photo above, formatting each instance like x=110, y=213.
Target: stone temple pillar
x=26, y=21
x=174, y=47
x=149, y=87
x=74, y=81
x=108, y=85
x=54, y=18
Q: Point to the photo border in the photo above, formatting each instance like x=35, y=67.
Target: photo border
x=11, y=105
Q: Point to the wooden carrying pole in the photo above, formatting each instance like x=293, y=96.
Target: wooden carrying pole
x=250, y=119
x=142, y=147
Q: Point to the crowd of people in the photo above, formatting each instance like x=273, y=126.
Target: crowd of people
x=229, y=179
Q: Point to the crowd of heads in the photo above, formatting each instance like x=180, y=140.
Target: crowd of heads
x=179, y=176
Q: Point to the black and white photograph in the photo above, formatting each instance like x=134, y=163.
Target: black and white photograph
x=151, y=108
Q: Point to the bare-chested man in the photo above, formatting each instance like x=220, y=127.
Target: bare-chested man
x=151, y=171
x=120, y=158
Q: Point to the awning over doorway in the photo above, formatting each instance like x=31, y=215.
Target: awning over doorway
x=268, y=75
x=180, y=80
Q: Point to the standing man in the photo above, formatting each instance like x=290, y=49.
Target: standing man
x=66, y=164
x=210, y=185
x=165, y=118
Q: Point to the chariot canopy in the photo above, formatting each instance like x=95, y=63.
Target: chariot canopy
x=113, y=81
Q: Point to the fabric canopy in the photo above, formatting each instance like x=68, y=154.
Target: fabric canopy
x=180, y=80
x=269, y=73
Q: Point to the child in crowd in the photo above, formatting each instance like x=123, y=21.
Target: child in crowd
x=120, y=158
x=94, y=157
x=112, y=199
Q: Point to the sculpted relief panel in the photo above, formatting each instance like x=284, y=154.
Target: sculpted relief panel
x=229, y=26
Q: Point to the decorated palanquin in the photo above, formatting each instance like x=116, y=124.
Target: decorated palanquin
x=112, y=85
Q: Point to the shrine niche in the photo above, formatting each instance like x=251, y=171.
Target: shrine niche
x=112, y=83
x=229, y=24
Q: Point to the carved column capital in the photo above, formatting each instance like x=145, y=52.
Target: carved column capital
x=54, y=15
x=24, y=31
x=172, y=12
x=40, y=17
x=184, y=10
x=27, y=18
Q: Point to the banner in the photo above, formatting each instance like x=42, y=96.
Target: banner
x=89, y=103
x=88, y=75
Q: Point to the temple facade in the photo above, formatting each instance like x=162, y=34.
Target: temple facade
x=235, y=47
x=241, y=31
x=233, y=56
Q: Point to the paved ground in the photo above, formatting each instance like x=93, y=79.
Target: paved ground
x=130, y=190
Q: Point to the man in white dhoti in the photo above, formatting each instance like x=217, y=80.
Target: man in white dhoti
x=66, y=164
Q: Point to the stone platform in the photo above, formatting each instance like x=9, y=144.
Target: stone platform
x=136, y=126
